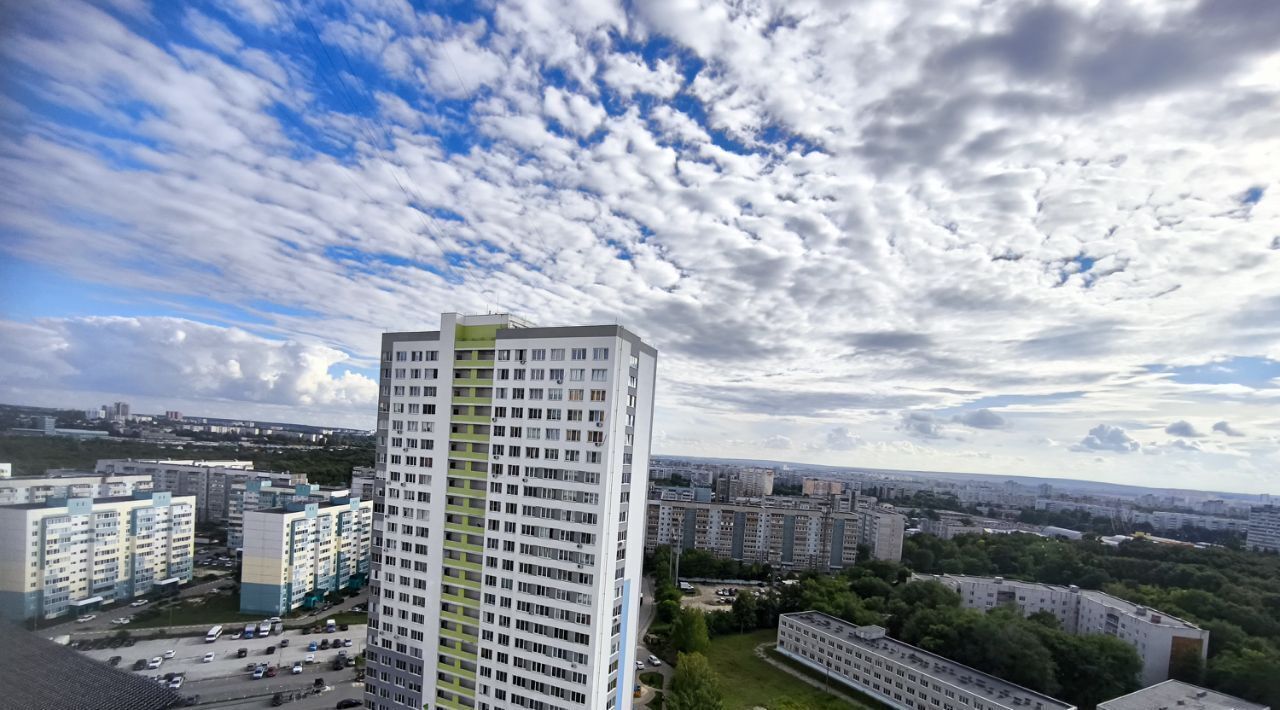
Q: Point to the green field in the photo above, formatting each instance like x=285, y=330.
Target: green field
x=746, y=681
x=213, y=609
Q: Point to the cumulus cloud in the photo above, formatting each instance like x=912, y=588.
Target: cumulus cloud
x=841, y=439
x=1224, y=427
x=178, y=358
x=777, y=441
x=1182, y=428
x=920, y=424
x=980, y=419
x=1106, y=437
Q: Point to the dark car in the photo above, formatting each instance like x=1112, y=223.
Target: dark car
x=140, y=664
x=284, y=643
x=277, y=700
x=319, y=683
x=348, y=703
x=306, y=629
x=344, y=627
x=114, y=661
x=242, y=653
x=337, y=664
x=270, y=650
x=324, y=644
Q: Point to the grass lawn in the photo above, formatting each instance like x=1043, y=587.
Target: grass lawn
x=653, y=679
x=212, y=609
x=746, y=681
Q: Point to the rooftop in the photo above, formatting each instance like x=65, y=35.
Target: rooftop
x=939, y=668
x=42, y=675
x=1176, y=695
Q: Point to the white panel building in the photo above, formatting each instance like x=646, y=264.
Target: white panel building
x=1264, y=528
x=70, y=484
x=898, y=674
x=509, y=519
x=211, y=482
x=1176, y=695
x=1156, y=636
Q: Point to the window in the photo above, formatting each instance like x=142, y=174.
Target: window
x=597, y=395
x=600, y=353
x=576, y=375
x=575, y=395
x=599, y=375
x=537, y=374
x=579, y=353
x=504, y=354
x=538, y=354
x=557, y=353
x=555, y=394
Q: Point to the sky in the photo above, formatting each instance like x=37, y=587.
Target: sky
x=999, y=237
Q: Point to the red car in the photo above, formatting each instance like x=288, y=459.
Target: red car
x=271, y=671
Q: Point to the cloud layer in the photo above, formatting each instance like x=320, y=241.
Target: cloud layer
x=887, y=236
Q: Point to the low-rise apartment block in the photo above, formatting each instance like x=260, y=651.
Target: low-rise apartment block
x=787, y=533
x=211, y=482
x=65, y=556
x=297, y=554
x=898, y=674
x=1176, y=695
x=1157, y=637
x=1264, y=528
x=70, y=484
x=821, y=487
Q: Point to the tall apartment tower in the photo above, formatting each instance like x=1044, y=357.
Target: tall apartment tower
x=509, y=516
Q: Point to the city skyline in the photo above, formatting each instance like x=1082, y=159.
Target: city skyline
x=959, y=240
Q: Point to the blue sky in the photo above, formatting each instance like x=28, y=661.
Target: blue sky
x=858, y=235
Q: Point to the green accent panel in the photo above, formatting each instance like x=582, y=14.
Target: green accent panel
x=473, y=400
x=464, y=564
x=469, y=492
x=463, y=547
x=468, y=474
x=460, y=581
x=469, y=455
x=470, y=419
x=460, y=618
x=456, y=652
x=454, y=687
x=471, y=382
x=458, y=636
x=473, y=363
x=456, y=670
x=451, y=705
x=460, y=600
x=478, y=438
x=463, y=528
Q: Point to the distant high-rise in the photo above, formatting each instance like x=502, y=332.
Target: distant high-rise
x=1264, y=528
x=509, y=516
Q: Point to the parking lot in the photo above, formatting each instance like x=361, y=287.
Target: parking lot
x=189, y=654
x=705, y=597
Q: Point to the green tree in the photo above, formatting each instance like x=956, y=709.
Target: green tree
x=746, y=611
x=1186, y=665
x=1248, y=672
x=695, y=686
x=667, y=611
x=689, y=633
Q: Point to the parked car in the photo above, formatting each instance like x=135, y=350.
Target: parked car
x=284, y=643
x=655, y=661
x=312, y=646
x=324, y=645
x=140, y=664
x=154, y=663
x=271, y=671
x=114, y=661
x=140, y=602
x=344, y=627
x=311, y=658
x=270, y=650
x=277, y=700
x=640, y=665
x=208, y=657
x=346, y=643
x=297, y=668
x=242, y=653
x=258, y=672
x=348, y=703
x=319, y=682
x=274, y=619
x=170, y=653
x=251, y=666
x=176, y=683
x=337, y=664
x=85, y=618
x=121, y=621
x=235, y=636
x=306, y=629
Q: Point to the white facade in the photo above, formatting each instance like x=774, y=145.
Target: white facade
x=898, y=674
x=1156, y=636
x=295, y=555
x=62, y=557
x=37, y=489
x=509, y=523
x=263, y=494
x=1264, y=528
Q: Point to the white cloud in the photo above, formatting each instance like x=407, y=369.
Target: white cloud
x=1182, y=428
x=777, y=441
x=1106, y=437
x=818, y=214
x=1224, y=427
x=841, y=439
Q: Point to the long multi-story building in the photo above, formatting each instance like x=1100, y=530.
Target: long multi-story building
x=1157, y=637
x=784, y=532
x=512, y=467
x=744, y=483
x=363, y=482
x=297, y=554
x=263, y=494
x=898, y=674
x=70, y=484
x=821, y=487
x=64, y=556
x=1176, y=695
x=211, y=482
x=1264, y=528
